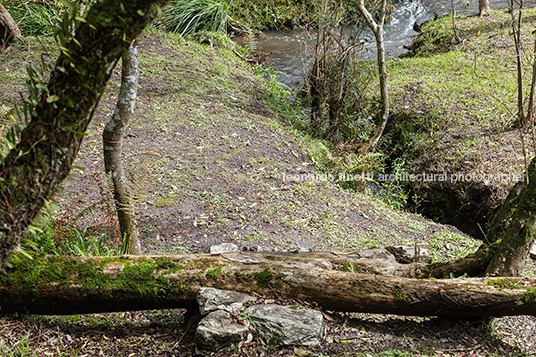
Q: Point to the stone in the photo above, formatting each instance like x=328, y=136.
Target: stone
x=287, y=325
x=218, y=329
x=211, y=299
x=298, y=250
x=223, y=248
x=533, y=251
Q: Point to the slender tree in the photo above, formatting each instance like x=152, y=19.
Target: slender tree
x=516, y=32
x=112, y=137
x=377, y=30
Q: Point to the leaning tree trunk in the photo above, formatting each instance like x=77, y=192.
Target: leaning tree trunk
x=513, y=228
x=71, y=285
x=9, y=31
x=509, y=240
x=33, y=170
x=377, y=30
x=112, y=137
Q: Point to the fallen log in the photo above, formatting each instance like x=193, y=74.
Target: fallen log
x=76, y=285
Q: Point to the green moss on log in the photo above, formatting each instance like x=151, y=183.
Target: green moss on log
x=263, y=277
x=214, y=273
x=530, y=296
x=144, y=277
x=504, y=283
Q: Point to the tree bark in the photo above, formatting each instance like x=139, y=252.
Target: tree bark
x=513, y=228
x=516, y=32
x=31, y=173
x=112, y=138
x=377, y=30
x=510, y=237
x=9, y=31
x=69, y=285
x=483, y=7
x=530, y=107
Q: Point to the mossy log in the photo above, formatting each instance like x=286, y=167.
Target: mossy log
x=69, y=285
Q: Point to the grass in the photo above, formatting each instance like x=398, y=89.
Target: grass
x=275, y=14
x=453, y=111
x=446, y=87
x=35, y=19
x=186, y=16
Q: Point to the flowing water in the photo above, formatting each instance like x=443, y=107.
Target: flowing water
x=288, y=54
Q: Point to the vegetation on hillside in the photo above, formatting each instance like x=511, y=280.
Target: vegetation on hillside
x=215, y=155
x=454, y=112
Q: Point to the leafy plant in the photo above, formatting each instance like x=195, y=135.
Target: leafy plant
x=339, y=80
x=244, y=317
x=36, y=19
x=185, y=16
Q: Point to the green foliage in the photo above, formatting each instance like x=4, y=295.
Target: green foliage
x=214, y=273
x=53, y=235
x=48, y=241
x=504, y=283
x=263, y=277
x=188, y=16
x=36, y=19
x=274, y=14
x=530, y=296
x=20, y=348
x=390, y=191
x=339, y=80
x=348, y=266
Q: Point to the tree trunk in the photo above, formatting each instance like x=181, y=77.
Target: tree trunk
x=69, y=285
x=483, y=7
x=513, y=228
x=33, y=170
x=509, y=240
x=112, y=137
x=516, y=32
x=9, y=31
x=377, y=30
x=530, y=108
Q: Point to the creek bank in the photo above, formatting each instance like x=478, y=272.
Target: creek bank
x=443, y=121
x=452, y=114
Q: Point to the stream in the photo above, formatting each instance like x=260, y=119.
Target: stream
x=286, y=48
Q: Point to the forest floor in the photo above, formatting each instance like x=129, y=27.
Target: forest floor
x=214, y=157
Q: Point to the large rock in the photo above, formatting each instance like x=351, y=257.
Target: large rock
x=533, y=251
x=218, y=329
x=287, y=325
x=210, y=299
